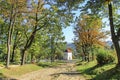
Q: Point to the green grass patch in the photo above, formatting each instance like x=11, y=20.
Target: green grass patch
x=1, y=64
x=18, y=71
x=95, y=72
x=109, y=74
x=83, y=66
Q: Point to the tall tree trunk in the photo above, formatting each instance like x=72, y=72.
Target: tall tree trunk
x=13, y=54
x=10, y=31
x=32, y=36
x=9, y=37
x=28, y=43
x=31, y=57
x=93, y=58
x=8, y=52
x=92, y=52
x=88, y=57
x=23, y=56
x=115, y=38
x=14, y=47
x=84, y=52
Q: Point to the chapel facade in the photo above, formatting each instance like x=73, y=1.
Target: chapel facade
x=67, y=54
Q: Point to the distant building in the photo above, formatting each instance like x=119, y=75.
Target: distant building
x=67, y=54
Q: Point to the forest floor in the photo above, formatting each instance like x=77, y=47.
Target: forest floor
x=61, y=72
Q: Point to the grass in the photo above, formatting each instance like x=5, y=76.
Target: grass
x=84, y=68
x=1, y=64
x=94, y=72
x=18, y=71
x=14, y=72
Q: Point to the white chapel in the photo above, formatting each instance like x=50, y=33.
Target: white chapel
x=67, y=54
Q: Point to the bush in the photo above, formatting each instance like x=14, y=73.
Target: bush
x=104, y=57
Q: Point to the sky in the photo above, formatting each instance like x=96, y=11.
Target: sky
x=68, y=33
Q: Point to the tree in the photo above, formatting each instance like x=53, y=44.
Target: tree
x=88, y=34
x=3, y=40
x=37, y=20
x=55, y=32
x=99, y=7
x=40, y=48
x=115, y=37
x=9, y=10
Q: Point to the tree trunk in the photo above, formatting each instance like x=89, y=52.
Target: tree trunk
x=52, y=55
x=23, y=56
x=8, y=53
x=92, y=51
x=14, y=47
x=88, y=57
x=115, y=38
x=84, y=52
x=27, y=45
x=32, y=57
x=32, y=36
x=10, y=32
x=13, y=54
x=9, y=37
x=93, y=58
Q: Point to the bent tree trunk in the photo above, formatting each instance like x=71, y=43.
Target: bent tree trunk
x=27, y=45
x=23, y=56
x=115, y=38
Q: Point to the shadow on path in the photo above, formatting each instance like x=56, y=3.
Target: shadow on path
x=73, y=73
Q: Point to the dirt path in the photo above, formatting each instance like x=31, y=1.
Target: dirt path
x=62, y=72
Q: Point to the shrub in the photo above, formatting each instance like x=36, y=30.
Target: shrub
x=104, y=57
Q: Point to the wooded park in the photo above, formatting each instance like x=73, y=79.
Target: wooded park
x=33, y=46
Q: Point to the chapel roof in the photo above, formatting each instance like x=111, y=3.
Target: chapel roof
x=68, y=50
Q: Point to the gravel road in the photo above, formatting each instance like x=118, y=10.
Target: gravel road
x=61, y=72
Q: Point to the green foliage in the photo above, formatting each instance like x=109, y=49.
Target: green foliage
x=1, y=64
x=88, y=34
x=104, y=57
x=32, y=30
x=2, y=53
x=17, y=57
